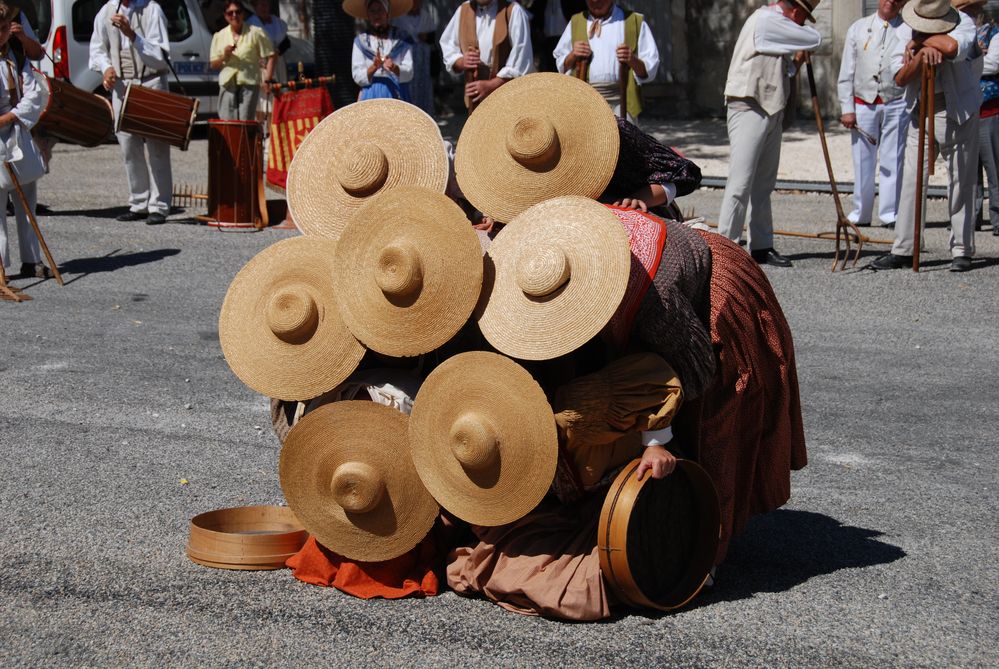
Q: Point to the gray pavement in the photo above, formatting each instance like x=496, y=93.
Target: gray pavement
x=113, y=389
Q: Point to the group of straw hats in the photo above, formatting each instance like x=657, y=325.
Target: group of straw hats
x=390, y=263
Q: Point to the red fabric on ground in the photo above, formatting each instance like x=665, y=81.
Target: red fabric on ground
x=747, y=425
x=409, y=575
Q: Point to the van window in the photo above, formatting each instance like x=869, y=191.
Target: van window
x=179, y=24
x=39, y=15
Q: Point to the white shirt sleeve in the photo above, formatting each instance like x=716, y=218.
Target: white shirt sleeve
x=657, y=437
x=521, y=60
x=563, y=48
x=965, y=35
x=904, y=34
x=648, y=52
x=847, y=68
x=405, y=64
x=450, y=48
x=29, y=107
x=155, y=45
x=359, y=66
x=777, y=35
x=991, y=65
x=100, y=60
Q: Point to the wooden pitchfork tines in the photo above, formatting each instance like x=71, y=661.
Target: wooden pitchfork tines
x=846, y=230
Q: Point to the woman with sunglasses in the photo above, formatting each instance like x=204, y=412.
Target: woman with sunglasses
x=237, y=51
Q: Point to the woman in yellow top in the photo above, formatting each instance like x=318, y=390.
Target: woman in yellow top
x=237, y=51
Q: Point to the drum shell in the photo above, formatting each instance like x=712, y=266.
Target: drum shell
x=155, y=114
x=235, y=172
x=614, y=552
x=74, y=115
x=251, y=537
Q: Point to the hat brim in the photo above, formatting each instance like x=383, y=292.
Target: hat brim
x=595, y=246
x=359, y=8
x=499, y=394
x=356, y=432
x=408, y=138
x=930, y=26
x=263, y=361
x=435, y=234
x=808, y=11
x=588, y=145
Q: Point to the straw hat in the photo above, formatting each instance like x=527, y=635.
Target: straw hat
x=347, y=473
x=554, y=277
x=808, y=6
x=359, y=8
x=930, y=16
x=483, y=438
x=408, y=271
x=535, y=138
x=357, y=152
x=280, y=326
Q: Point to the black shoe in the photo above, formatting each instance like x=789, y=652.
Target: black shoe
x=960, y=264
x=771, y=257
x=155, y=218
x=889, y=226
x=891, y=261
x=36, y=270
x=863, y=225
x=995, y=230
x=131, y=216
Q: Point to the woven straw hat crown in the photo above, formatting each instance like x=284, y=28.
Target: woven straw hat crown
x=930, y=16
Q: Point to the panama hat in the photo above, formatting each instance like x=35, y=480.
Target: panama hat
x=553, y=278
x=483, y=438
x=657, y=538
x=809, y=6
x=280, y=325
x=346, y=472
x=359, y=8
x=535, y=138
x=930, y=16
x=357, y=152
x=408, y=271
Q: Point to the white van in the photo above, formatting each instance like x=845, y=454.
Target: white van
x=64, y=28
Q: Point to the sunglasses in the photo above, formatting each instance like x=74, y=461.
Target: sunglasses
x=234, y=12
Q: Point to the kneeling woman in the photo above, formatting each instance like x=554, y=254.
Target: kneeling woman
x=382, y=59
x=21, y=103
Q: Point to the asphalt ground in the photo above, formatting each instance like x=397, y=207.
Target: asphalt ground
x=113, y=389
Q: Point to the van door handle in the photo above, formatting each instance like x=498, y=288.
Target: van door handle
x=191, y=54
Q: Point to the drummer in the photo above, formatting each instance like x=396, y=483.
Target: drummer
x=129, y=46
x=236, y=52
x=19, y=105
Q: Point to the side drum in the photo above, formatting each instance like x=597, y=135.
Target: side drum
x=75, y=116
x=236, y=196
x=155, y=114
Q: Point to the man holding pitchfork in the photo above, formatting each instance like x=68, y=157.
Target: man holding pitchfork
x=937, y=36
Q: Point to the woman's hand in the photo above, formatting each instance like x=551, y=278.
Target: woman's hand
x=632, y=203
x=657, y=460
x=486, y=224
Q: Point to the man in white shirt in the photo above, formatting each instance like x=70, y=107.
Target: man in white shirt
x=767, y=54
x=937, y=34
x=872, y=105
x=130, y=46
x=491, y=38
x=601, y=42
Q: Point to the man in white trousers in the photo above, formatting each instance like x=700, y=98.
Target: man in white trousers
x=937, y=34
x=767, y=54
x=873, y=107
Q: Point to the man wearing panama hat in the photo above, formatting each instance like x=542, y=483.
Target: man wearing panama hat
x=937, y=34
x=767, y=54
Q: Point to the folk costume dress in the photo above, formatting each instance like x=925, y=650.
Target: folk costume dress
x=394, y=44
x=141, y=62
x=20, y=94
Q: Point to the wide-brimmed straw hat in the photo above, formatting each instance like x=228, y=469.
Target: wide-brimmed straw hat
x=483, y=438
x=408, y=271
x=280, y=325
x=930, y=16
x=808, y=6
x=535, y=138
x=553, y=278
x=359, y=8
x=347, y=473
x=357, y=152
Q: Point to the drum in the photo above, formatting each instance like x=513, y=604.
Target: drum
x=75, y=116
x=156, y=114
x=236, y=196
x=657, y=538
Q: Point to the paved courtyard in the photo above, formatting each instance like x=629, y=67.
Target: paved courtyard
x=113, y=390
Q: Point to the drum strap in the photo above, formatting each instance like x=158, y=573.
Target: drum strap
x=13, y=83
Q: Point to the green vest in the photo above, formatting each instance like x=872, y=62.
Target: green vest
x=632, y=29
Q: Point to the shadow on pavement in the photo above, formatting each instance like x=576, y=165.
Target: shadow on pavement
x=783, y=549
x=111, y=262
